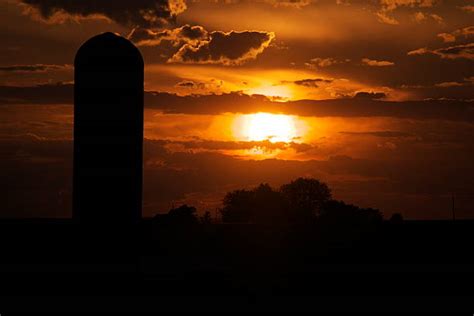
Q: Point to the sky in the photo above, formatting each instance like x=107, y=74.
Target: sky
x=373, y=97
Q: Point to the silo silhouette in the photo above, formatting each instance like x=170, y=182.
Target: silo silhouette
x=108, y=131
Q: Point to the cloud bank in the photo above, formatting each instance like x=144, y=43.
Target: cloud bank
x=364, y=104
x=144, y=13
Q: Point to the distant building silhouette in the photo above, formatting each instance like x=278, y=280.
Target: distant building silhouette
x=108, y=131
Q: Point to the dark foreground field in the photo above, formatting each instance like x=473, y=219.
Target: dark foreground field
x=417, y=266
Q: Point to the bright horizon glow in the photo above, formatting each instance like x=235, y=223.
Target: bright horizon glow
x=283, y=92
x=266, y=126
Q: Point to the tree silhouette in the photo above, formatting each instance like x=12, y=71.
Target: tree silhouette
x=338, y=212
x=259, y=205
x=301, y=201
x=269, y=205
x=305, y=197
x=298, y=201
x=238, y=206
x=183, y=215
x=206, y=218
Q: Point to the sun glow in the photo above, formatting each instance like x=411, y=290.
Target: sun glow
x=266, y=126
x=280, y=93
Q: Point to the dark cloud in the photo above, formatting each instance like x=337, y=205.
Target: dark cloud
x=226, y=48
x=185, y=34
x=455, y=110
x=34, y=68
x=369, y=95
x=318, y=62
x=459, y=89
x=454, y=35
x=297, y=4
x=41, y=94
x=144, y=13
x=212, y=84
x=312, y=83
x=453, y=52
x=388, y=134
x=197, y=45
x=459, y=51
x=265, y=145
x=236, y=102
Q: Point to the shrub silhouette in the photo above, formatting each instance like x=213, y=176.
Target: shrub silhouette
x=183, y=215
x=396, y=218
x=338, y=212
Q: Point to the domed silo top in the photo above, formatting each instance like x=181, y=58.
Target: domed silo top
x=108, y=50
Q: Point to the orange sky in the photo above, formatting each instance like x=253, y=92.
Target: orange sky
x=374, y=97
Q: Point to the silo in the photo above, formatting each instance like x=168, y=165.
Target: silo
x=108, y=131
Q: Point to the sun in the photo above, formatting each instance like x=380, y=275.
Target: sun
x=266, y=126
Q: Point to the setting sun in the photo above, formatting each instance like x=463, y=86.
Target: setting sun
x=266, y=126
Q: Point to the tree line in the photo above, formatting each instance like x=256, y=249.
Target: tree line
x=302, y=201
